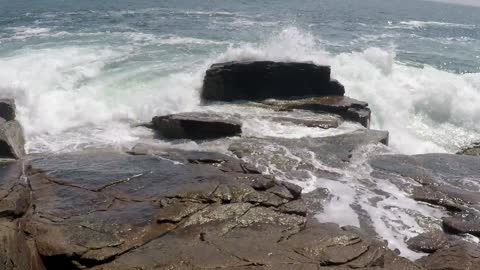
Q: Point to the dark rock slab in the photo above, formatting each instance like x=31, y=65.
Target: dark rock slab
x=458, y=257
x=348, y=108
x=7, y=109
x=12, y=141
x=265, y=79
x=195, y=126
x=428, y=242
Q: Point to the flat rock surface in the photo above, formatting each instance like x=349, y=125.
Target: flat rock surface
x=180, y=210
x=196, y=126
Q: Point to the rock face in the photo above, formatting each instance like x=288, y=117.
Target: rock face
x=264, y=79
x=348, y=108
x=17, y=251
x=196, y=126
x=12, y=141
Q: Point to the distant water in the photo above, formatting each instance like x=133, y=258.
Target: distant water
x=84, y=72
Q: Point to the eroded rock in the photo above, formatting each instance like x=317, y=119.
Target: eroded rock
x=348, y=108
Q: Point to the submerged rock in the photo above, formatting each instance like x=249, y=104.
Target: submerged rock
x=348, y=108
x=196, y=126
x=7, y=109
x=12, y=141
x=265, y=79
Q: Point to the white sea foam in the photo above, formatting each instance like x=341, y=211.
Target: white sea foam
x=64, y=92
x=423, y=24
x=59, y=89
x=425, y=109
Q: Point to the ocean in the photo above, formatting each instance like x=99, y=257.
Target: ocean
x=87, y=74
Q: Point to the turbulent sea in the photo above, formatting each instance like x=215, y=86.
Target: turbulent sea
x=86, y=73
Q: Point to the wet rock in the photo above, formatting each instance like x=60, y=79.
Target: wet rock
x=7, y=109
x=447, y=181
x=12, y=141
x=463, y=256
x=464, y=222
x=348, y=108
x=264, y=79
x=14, y=195
x=195, y=126
x=473, y=150
x=294, y=207
x=105, y=210
x=428, y=242
x=17, y=252
x=335, y=151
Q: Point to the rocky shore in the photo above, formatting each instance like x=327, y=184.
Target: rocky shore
x=157, y=207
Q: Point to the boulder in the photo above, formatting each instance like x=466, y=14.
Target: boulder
x=195, y=126
x=7, y=109
x=428, y=242
x=265, y=79
x=348, y=108
x=12, y=140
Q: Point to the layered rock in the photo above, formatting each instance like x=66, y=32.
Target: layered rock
x=12, y=141
x=196, y=126
x=348, y=108
x=265, y=79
